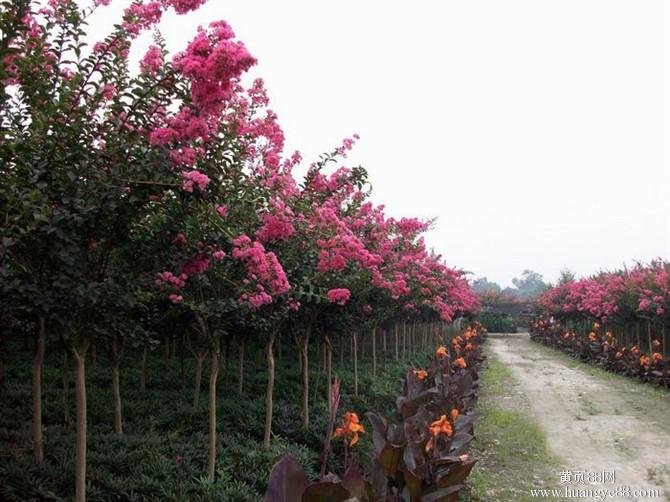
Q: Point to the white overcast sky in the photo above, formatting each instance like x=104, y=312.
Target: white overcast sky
x=537, y=132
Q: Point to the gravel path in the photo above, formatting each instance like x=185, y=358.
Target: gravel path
x=593, y=421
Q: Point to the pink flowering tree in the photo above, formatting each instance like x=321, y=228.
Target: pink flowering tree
x=88, y=148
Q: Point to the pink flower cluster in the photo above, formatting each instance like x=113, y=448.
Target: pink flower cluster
x=263, y=268
x=194, y=179
x=152, y=60
x=340, y=296
x=277, y=225
x=640, y=292
x=213, y=63
x=171, y=280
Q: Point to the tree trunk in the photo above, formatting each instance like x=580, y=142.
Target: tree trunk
x=199, y=358
x=341, y=352
x=354, y=339
x=374, y=351
x=269, y=390
x=240, y=367
x=321, y=369
x=329, y=369
x=304, y=352
x=143, y=373
x=65, y=378
x=116, y=387
x=38, y=441
x=395, y=331
x=213, y=374
x=80, y=398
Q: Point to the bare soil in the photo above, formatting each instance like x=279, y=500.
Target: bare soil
x=593, y=420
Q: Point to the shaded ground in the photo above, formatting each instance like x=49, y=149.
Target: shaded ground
x=593, y=420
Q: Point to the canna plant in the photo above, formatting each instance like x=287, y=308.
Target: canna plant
x=424, y=457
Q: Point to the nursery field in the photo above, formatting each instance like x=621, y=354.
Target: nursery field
x=162, y=452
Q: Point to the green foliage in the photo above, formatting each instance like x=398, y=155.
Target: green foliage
x=497, y=323
x=162, y=454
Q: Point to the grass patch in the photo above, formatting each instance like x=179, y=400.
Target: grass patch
x=515, y=456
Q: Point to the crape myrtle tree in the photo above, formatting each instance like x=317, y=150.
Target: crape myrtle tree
x=83, y=154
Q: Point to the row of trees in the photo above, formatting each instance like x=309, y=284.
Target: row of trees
x=140, y=208
x=633, y=304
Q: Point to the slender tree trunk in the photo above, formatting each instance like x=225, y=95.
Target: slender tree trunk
x=304, y=351
x=213, y=374
x=320, y=369
x=38, y=441
x=79, y=359
x=226, y=365
x=374, y=351
x=199, y=358
x=341, y=352
x=329, y=368
x=65, y=380
x=116, y=387
x=395, y=331
x=269, y=390
x=143, y=372
x=240, y=367
x=354, y=338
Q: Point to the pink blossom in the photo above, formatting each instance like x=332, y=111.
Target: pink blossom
x=171, y=280
x=644, y=305
x=222, y=210
x=108, y=91
x=218, y=255
x=179, y=240
x=152, y=60
x=340, y=296
x=194, y=178
x=176, y=298
x=213, y=62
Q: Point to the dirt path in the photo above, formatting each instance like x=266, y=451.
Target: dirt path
x=593, y=421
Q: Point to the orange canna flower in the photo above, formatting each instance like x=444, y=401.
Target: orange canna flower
x=644, y=361
x=656, y=344
x=656, y=357
x=596, y=325
x=592, y=336
x=635, y=350
x=441, y=426
x=468, y=346
x=460, y=363
x=441, y=352
x=350, y=427
x=420, y=374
